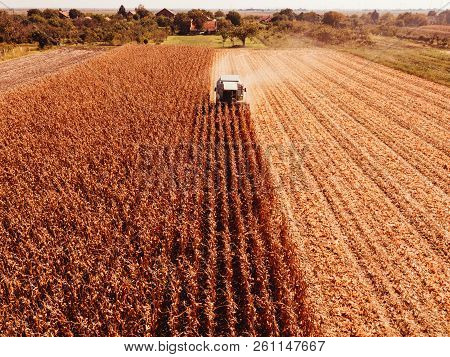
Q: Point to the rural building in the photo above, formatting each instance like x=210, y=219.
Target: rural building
x=166, y=13
x=209, y=26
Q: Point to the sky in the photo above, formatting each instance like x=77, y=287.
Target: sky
x=233, y=4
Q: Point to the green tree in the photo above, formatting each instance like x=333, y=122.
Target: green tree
x=43, y=39
x=32, y=12
x=279, y=17
x=158, y=36
x=122, y=11
x=333, y=18
x=225, y=34
x=182, y=23
x=75, y=14
x=223, y=28
x=218, y=14
x=98, y=18
x=223, y=24
x=163, y=21
x=142, y=12
x=199, y=17
x=234, y=17
x=208, y=14
x=375, y=16
x=247, y=30
x=289, y=13
x=149, y=23
x=50, y=13
x=37, y=19
x=309, y=17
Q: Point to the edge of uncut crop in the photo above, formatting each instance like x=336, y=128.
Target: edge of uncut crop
x=278, y=220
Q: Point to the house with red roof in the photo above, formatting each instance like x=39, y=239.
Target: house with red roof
x=209, y=26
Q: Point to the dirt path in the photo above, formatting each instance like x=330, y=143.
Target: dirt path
x=360, y=153
x=22, y=70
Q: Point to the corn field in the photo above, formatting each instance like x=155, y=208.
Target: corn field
x=131, y=206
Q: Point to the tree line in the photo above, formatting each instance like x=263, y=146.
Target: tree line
x=336, y=27
x=54, y=27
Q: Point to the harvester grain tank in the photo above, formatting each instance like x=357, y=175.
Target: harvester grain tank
x=229, y=90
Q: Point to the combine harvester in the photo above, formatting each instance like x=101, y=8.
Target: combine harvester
x=229, y=90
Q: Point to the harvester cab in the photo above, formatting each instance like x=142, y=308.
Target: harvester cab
x=229, y=90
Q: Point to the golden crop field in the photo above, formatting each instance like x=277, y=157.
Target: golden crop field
x=130, y=206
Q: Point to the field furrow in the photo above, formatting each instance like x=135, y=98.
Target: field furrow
x=435, y=114
x=417, y=88
x=343, y=135
x=420, y=129
x=360, y=159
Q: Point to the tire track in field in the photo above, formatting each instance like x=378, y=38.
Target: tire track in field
x=374, y=227
x=342, y=312
x=369, y=210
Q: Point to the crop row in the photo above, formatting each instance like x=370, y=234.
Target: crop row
x=131, y=206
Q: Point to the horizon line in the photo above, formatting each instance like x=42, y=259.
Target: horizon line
x=241, y=9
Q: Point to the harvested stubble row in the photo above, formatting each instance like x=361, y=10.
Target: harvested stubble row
x=130, y=206
x=361, y=159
